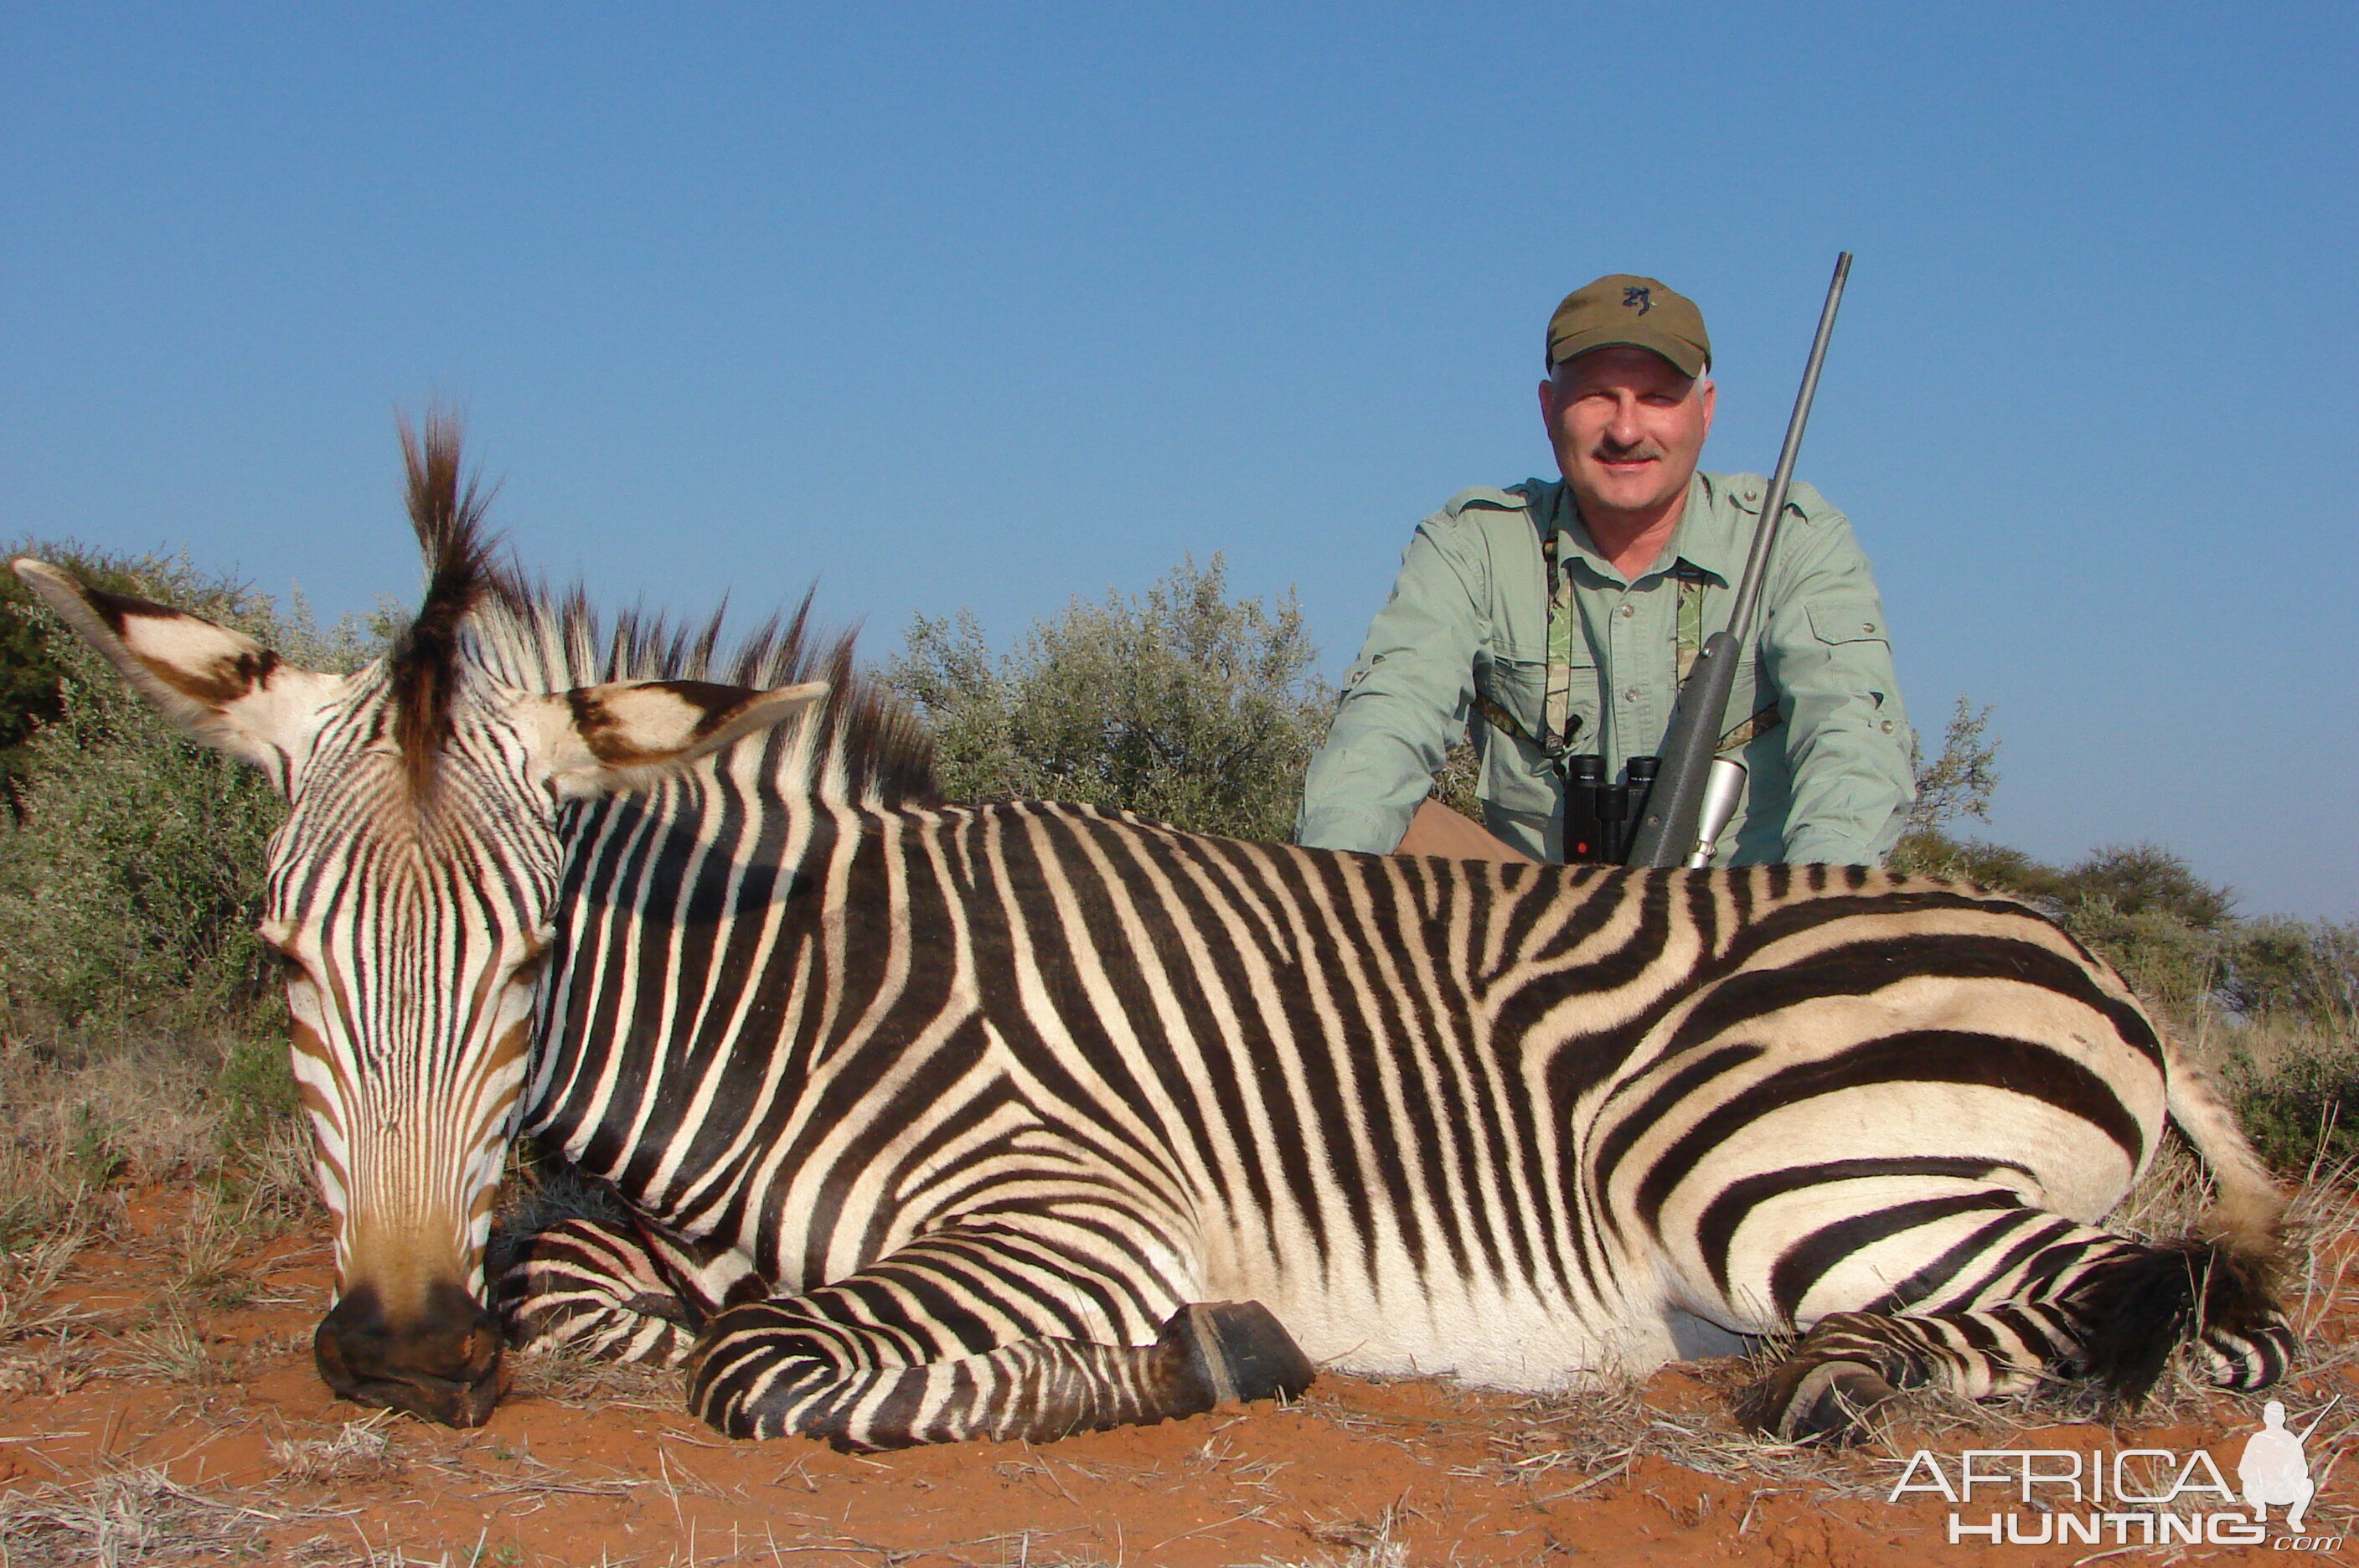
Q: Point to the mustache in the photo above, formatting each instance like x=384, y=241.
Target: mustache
x=1608, y=451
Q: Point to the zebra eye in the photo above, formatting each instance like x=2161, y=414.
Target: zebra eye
x=284, y=964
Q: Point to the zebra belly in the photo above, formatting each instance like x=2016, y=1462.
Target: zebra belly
x=1377, y=1310
x=1496, y=1336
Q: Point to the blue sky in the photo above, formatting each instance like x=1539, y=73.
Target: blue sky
x=990, y=306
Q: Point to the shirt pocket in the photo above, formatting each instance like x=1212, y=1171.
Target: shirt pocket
x=1838, y=621
x=1517, y=685
x=1514, y=776
x=1520, y=686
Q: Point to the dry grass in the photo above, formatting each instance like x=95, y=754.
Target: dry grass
x=1586, y=1439
x=133, y=1515
x=84, y=1133
x=47, y=1219
x=2270, y=1042
x=273, y=1183
x=47, y=1367
x=363, y=1451
x=29, y=1271
x=1364, y=1546
x=173, y=1350
x=205, y=1250
x=80, y=1136
x=584, y=1383
x=141, y=1109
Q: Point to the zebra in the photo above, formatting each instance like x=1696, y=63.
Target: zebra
x=936, y=1121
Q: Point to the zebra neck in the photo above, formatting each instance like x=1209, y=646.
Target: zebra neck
x=715, y=964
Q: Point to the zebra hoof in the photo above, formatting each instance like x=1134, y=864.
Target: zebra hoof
x=1821, y=1402
x=1233, y=1350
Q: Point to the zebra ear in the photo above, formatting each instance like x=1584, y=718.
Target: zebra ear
x=629, y=733
x=220, y=686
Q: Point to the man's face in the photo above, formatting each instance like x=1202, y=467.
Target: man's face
x=1628, y=428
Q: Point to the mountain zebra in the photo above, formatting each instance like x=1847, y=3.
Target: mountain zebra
x=1020, y=1120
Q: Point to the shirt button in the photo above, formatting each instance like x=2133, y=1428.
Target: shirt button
x=1887, y=726
x=1867, y=625
x=1630, y=610
x=1631, y=695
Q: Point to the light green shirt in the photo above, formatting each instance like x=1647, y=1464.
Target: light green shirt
x=1468, y=616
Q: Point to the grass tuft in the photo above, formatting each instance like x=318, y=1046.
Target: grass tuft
x=172, y=1351
x=1365, y=1546
x=583, y=1382
x=363, y=1451
x=133, y=1515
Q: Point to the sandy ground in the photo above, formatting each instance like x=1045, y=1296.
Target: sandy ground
x=149, y=1416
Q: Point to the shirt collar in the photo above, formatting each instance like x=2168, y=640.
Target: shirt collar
x=1707, y=537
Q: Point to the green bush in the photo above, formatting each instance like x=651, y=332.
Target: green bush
x=2144, y=878
x=2301, y=1109
x=2169, y=932
x=1960, y=782
x=1185, y=706
x=256, y=1090
x=2173, y=964
x=128, y=892
x=2293, y=988
x=33, y=650
x=2292, y=969
x=1931, y=852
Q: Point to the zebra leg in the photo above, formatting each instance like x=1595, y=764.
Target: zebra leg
x=616, y=1293
x=2066, y=1298
x=932, y=1344
x=1836, y=1376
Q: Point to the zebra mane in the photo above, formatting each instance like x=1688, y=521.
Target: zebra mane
x=480, y=616
x=425, y=663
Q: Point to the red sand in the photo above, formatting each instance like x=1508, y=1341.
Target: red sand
x=1361, y=1474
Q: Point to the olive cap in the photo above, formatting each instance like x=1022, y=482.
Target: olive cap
x=1639, y=311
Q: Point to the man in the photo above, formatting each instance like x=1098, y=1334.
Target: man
x=1645, y=554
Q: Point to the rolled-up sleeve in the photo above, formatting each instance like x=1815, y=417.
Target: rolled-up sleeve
x=1404, y=698
x=1830, y=655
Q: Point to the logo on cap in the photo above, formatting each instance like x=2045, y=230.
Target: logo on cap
x=1642, y=298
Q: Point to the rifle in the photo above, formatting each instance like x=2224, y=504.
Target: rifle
x=1695, y=791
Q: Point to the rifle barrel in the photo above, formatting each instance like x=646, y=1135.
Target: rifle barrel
x=1667, y=836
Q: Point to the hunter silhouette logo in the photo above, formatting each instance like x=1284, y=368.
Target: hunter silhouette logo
x=2274, y=1469
x=1642, y=299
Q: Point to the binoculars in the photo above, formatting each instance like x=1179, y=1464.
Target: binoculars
x=1601, y=819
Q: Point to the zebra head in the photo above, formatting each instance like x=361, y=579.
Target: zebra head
x=409, y=896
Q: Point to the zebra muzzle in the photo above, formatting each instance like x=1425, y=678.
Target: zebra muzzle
x=442, y=1362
